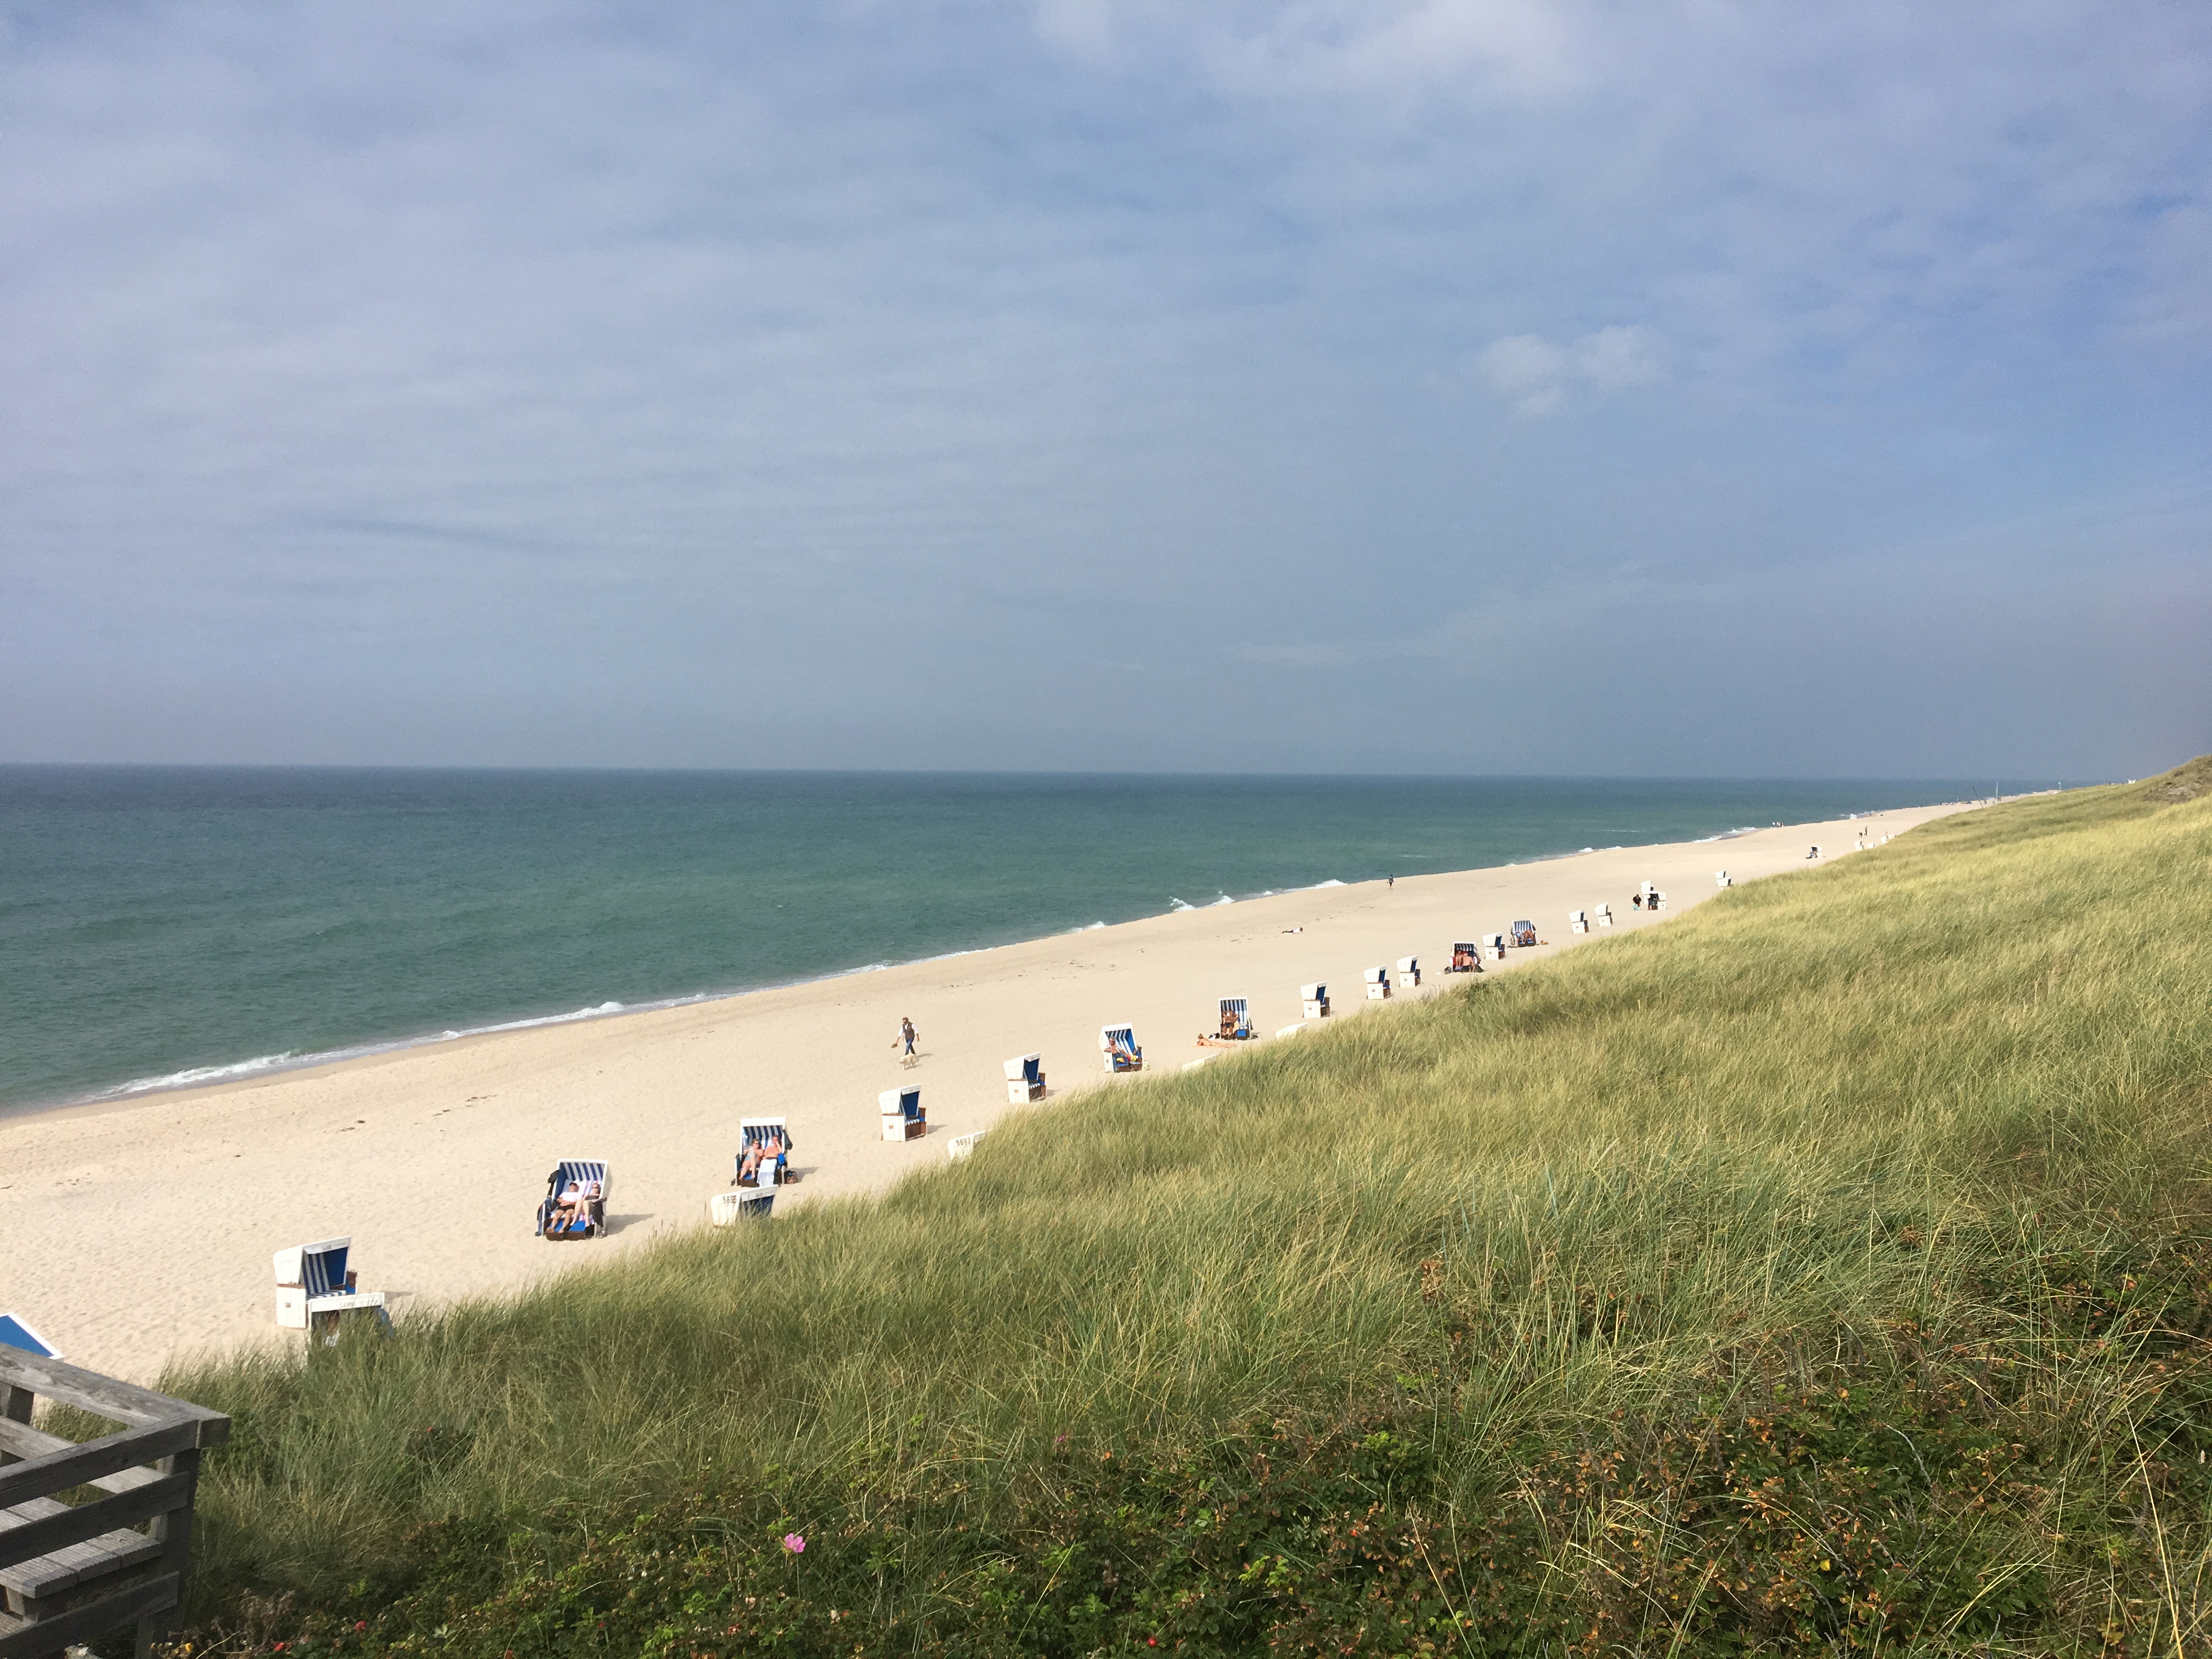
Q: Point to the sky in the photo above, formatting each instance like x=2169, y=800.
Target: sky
x=1444, y=386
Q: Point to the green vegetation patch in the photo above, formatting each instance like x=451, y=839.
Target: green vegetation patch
x=1825, y=1268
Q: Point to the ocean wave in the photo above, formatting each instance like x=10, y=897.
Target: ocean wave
x=1224, y=899
x=1177, y=905
x=1087, y=927
x=193, y=1075
x=599, y=1012
x=1318, y=885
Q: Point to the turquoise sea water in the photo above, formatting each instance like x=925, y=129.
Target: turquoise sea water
x=161, y=925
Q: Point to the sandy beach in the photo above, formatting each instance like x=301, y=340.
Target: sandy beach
x=139, y=1231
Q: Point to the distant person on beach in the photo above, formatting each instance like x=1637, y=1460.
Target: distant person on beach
x=1389, y=881
x=908, y=1037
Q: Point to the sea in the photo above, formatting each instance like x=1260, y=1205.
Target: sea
x=165, y=926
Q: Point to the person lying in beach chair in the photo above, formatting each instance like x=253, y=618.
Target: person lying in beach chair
x=575, y=1203
x=1119, y=1045
x=763, y=1152
x=1236, y=1020
x=1524, y=932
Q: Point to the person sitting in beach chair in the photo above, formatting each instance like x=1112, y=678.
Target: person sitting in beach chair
x=1119, y=1045
x=575, y=1202
x=562, y=1215
x=764, y=1153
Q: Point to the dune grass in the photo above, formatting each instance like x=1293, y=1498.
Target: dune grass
x=1827, y=1268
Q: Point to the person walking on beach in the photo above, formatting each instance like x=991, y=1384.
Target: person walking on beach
x=1390, y=881
x=908, y=1037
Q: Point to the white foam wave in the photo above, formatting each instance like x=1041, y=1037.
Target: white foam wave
x=872, y=968
x=1224, y=899
x=194, y=1075
x=1087, y=927
x=599, y=1012
x=1318, y=885
x=1177, y=905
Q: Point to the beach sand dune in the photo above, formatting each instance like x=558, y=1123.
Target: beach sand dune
x=135, y=1231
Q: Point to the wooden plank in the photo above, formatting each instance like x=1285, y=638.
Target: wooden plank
x=75, y=1564
x=50, y=1636
x=105, y=1396
x=27, y=1442
x=27, y=1539
x=58, y=1470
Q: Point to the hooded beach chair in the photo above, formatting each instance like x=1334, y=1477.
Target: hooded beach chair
x=1377, y=981
x=1493, y=946
x=1466, y=958
x=760, y=1132
x=904, y=1118
x=575, y=1202
x=1524, y=932
x=1409, y=970
x=1578, y=922
x=1024, y=1079
x=315, y=1290
x=1722, y=879
x=744, y=1204
x=1236, y=1020
x=1118, y=1044
x=1604, y=915
x=1314, y=1000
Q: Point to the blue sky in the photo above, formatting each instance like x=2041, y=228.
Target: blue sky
x=1448, y=387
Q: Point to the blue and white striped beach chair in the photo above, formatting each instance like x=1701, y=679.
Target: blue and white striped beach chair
x=1024, y=1079
x=314, y=1290
x=1119, y=1045
x=902, y=1116
x=760, y=1132
x=575, y=1202
x=1236, y=1020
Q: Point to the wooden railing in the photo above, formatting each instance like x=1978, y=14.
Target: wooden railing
x=93, y=1535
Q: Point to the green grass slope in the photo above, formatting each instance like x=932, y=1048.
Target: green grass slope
x=1826, y=1269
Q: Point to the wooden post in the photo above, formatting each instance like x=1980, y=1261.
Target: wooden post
x=15, y=1407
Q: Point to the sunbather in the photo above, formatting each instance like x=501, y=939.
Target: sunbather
x=759, y=1155
x=564, y=1207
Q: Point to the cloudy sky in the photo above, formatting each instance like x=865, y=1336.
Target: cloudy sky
x=1455, y=385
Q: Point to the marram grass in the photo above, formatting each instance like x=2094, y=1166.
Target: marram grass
x=1824, y=1269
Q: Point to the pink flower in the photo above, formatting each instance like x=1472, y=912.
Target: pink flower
x=794, y=1542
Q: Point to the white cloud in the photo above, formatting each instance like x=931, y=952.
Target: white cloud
x=1539, y=378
